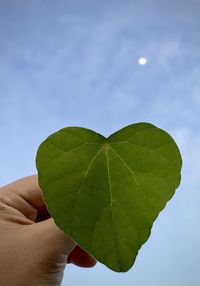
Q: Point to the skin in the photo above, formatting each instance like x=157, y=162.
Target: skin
x=33, y=250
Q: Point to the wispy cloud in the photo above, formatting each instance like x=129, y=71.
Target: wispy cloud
x=76, y=63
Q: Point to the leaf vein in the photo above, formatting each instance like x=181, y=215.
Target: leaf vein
x=112, y=216
x=82, y=183
x=131, y=171
x=64, y=152
x=154, y=150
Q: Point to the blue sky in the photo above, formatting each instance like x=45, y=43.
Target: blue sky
x=75, y=63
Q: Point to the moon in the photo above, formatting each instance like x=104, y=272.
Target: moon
x=142, y=61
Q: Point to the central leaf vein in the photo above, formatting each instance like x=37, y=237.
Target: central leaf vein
x=112, y=216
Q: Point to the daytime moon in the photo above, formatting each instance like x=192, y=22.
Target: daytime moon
x=142, y=61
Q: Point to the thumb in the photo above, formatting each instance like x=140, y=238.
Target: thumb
x=54, y=238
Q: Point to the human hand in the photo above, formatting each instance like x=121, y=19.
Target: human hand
x=33, y=250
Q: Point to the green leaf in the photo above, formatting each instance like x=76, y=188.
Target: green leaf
x=105, y=193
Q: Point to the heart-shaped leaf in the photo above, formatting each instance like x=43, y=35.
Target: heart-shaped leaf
x=105, y=193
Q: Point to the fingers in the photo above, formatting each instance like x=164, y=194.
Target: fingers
x=27, y=198
x=17, y=203
x=54, y=237
x=27, y=188
x=81, y=258
x=58, y=239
